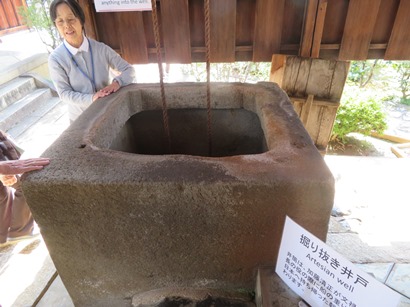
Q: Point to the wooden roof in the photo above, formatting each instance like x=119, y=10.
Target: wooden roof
x=253, y=30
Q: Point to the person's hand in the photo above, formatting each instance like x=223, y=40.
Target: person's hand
x=8, y=180
x=112, y=88
x=14, y=167
x=99, y=94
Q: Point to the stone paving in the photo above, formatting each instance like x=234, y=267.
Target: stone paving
x=372, y=228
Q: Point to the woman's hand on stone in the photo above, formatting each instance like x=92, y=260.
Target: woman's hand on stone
x=112, y=88
x=14, y=167
x=99, y=94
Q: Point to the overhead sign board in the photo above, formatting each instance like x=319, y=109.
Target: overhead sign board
x=122, y=5
x=323, y=277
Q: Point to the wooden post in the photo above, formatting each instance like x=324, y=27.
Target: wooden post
x=314, y=87
x=306, y=110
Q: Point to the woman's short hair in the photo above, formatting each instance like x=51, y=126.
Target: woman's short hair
x=73, y=5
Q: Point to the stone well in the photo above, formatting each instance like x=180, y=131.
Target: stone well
x=121, y=215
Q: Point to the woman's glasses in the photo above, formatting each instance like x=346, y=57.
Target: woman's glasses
x=70, y=21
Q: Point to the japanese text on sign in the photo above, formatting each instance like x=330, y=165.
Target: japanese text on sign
x=322, y=277
x=122, y=5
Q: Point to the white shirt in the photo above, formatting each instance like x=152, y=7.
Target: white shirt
x=84, y=46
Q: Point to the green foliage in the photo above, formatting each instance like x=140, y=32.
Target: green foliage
x=403, y=71
x=405, y=101
x=228, y=72
x=358, y=115
x=36, y=16
x=362, y=72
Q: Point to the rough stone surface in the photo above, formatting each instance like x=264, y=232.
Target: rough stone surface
x=118, y=224
x=190, y=297
x=272, y=291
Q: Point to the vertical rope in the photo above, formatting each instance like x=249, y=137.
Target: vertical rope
x=208, y=72
x=161, y=72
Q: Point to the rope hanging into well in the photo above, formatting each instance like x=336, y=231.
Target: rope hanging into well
x=161, y=72
x=208, y=72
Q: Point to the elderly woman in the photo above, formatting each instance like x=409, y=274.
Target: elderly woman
x=80, y=67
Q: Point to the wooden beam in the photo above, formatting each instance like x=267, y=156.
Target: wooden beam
x=290, y=75
x=360, y=21
x=301, y=78
x=390, y=137
x=268, y=29
x=308, y=28
x=339, y=77
x=277, y=68
x=399, y=43
x=317, y=116
x=176, y=32
x=397, y=150
x=223, y=30
x=306, y=110
x=320, y=23
x=320, y=78
x=325, y=127
x=324, y=103
x=132, y=37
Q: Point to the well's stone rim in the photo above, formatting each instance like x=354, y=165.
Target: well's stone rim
x=79, y=140
x=267, y=100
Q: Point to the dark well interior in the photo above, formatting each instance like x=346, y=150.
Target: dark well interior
x=234, y=132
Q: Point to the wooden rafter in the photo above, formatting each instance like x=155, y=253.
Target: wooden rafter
x=309, y=28
x=268, y=28
x=320, y=23
x=399, y=43
x=175, y=27
x=360, y=21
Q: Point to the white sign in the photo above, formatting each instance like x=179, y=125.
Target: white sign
x=322, y=277
x=122, y=5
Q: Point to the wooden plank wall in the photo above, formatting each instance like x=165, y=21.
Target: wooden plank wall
x=253, y=30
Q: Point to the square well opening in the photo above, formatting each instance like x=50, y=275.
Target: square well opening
x=234, y=132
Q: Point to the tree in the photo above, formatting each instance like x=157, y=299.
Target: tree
x=361, y=72
x=36, y=16
x=403, y=70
